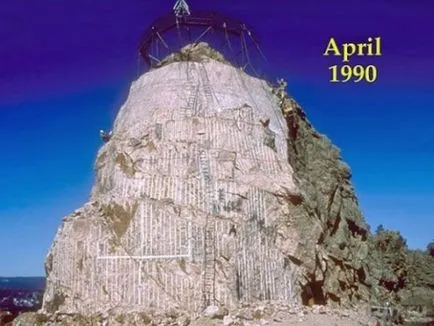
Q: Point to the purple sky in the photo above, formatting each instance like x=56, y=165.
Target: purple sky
x=60, y=46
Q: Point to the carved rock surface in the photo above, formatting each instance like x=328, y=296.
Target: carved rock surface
x=213, y=190
x=188, y=204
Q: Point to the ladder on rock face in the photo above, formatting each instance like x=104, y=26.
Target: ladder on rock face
x=192, y=102
x=209, y=231
x=209, y=263
x=205, y=175
x=206, y=85
x=192, y=90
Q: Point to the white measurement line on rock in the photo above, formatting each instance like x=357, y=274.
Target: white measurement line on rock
x=145, y=257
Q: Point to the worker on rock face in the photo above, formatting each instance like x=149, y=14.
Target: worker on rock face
x=280, y=90
x=282, y=86
x=105, y=136
x=388, y=312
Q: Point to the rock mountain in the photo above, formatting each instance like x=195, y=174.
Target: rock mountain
x=213, y=190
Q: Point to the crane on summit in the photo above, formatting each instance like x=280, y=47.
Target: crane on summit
x=181, y=8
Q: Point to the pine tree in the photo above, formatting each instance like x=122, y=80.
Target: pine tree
x=430, y=248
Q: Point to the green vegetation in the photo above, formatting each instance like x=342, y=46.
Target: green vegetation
x=399, y=273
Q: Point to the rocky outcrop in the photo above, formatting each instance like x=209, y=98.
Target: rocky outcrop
x=359, y=266
x=421, y=268
x=194, y=52
x=388, y=266
x=214, y=189
x=333, y=245
x=400, y=276
x=189, y=206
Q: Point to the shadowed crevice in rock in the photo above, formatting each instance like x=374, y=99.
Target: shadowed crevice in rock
x=330, y=222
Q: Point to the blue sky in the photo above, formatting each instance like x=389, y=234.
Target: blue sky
x=66, y=66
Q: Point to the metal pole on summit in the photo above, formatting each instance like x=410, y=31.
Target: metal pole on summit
x=181, y=8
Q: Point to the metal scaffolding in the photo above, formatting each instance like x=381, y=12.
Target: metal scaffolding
x=228, y=35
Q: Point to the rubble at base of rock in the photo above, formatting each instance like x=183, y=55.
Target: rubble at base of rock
x=271, y=314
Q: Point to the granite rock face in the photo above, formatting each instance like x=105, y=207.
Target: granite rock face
x=334, y=249
x=213, y=190
x=189, y=203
